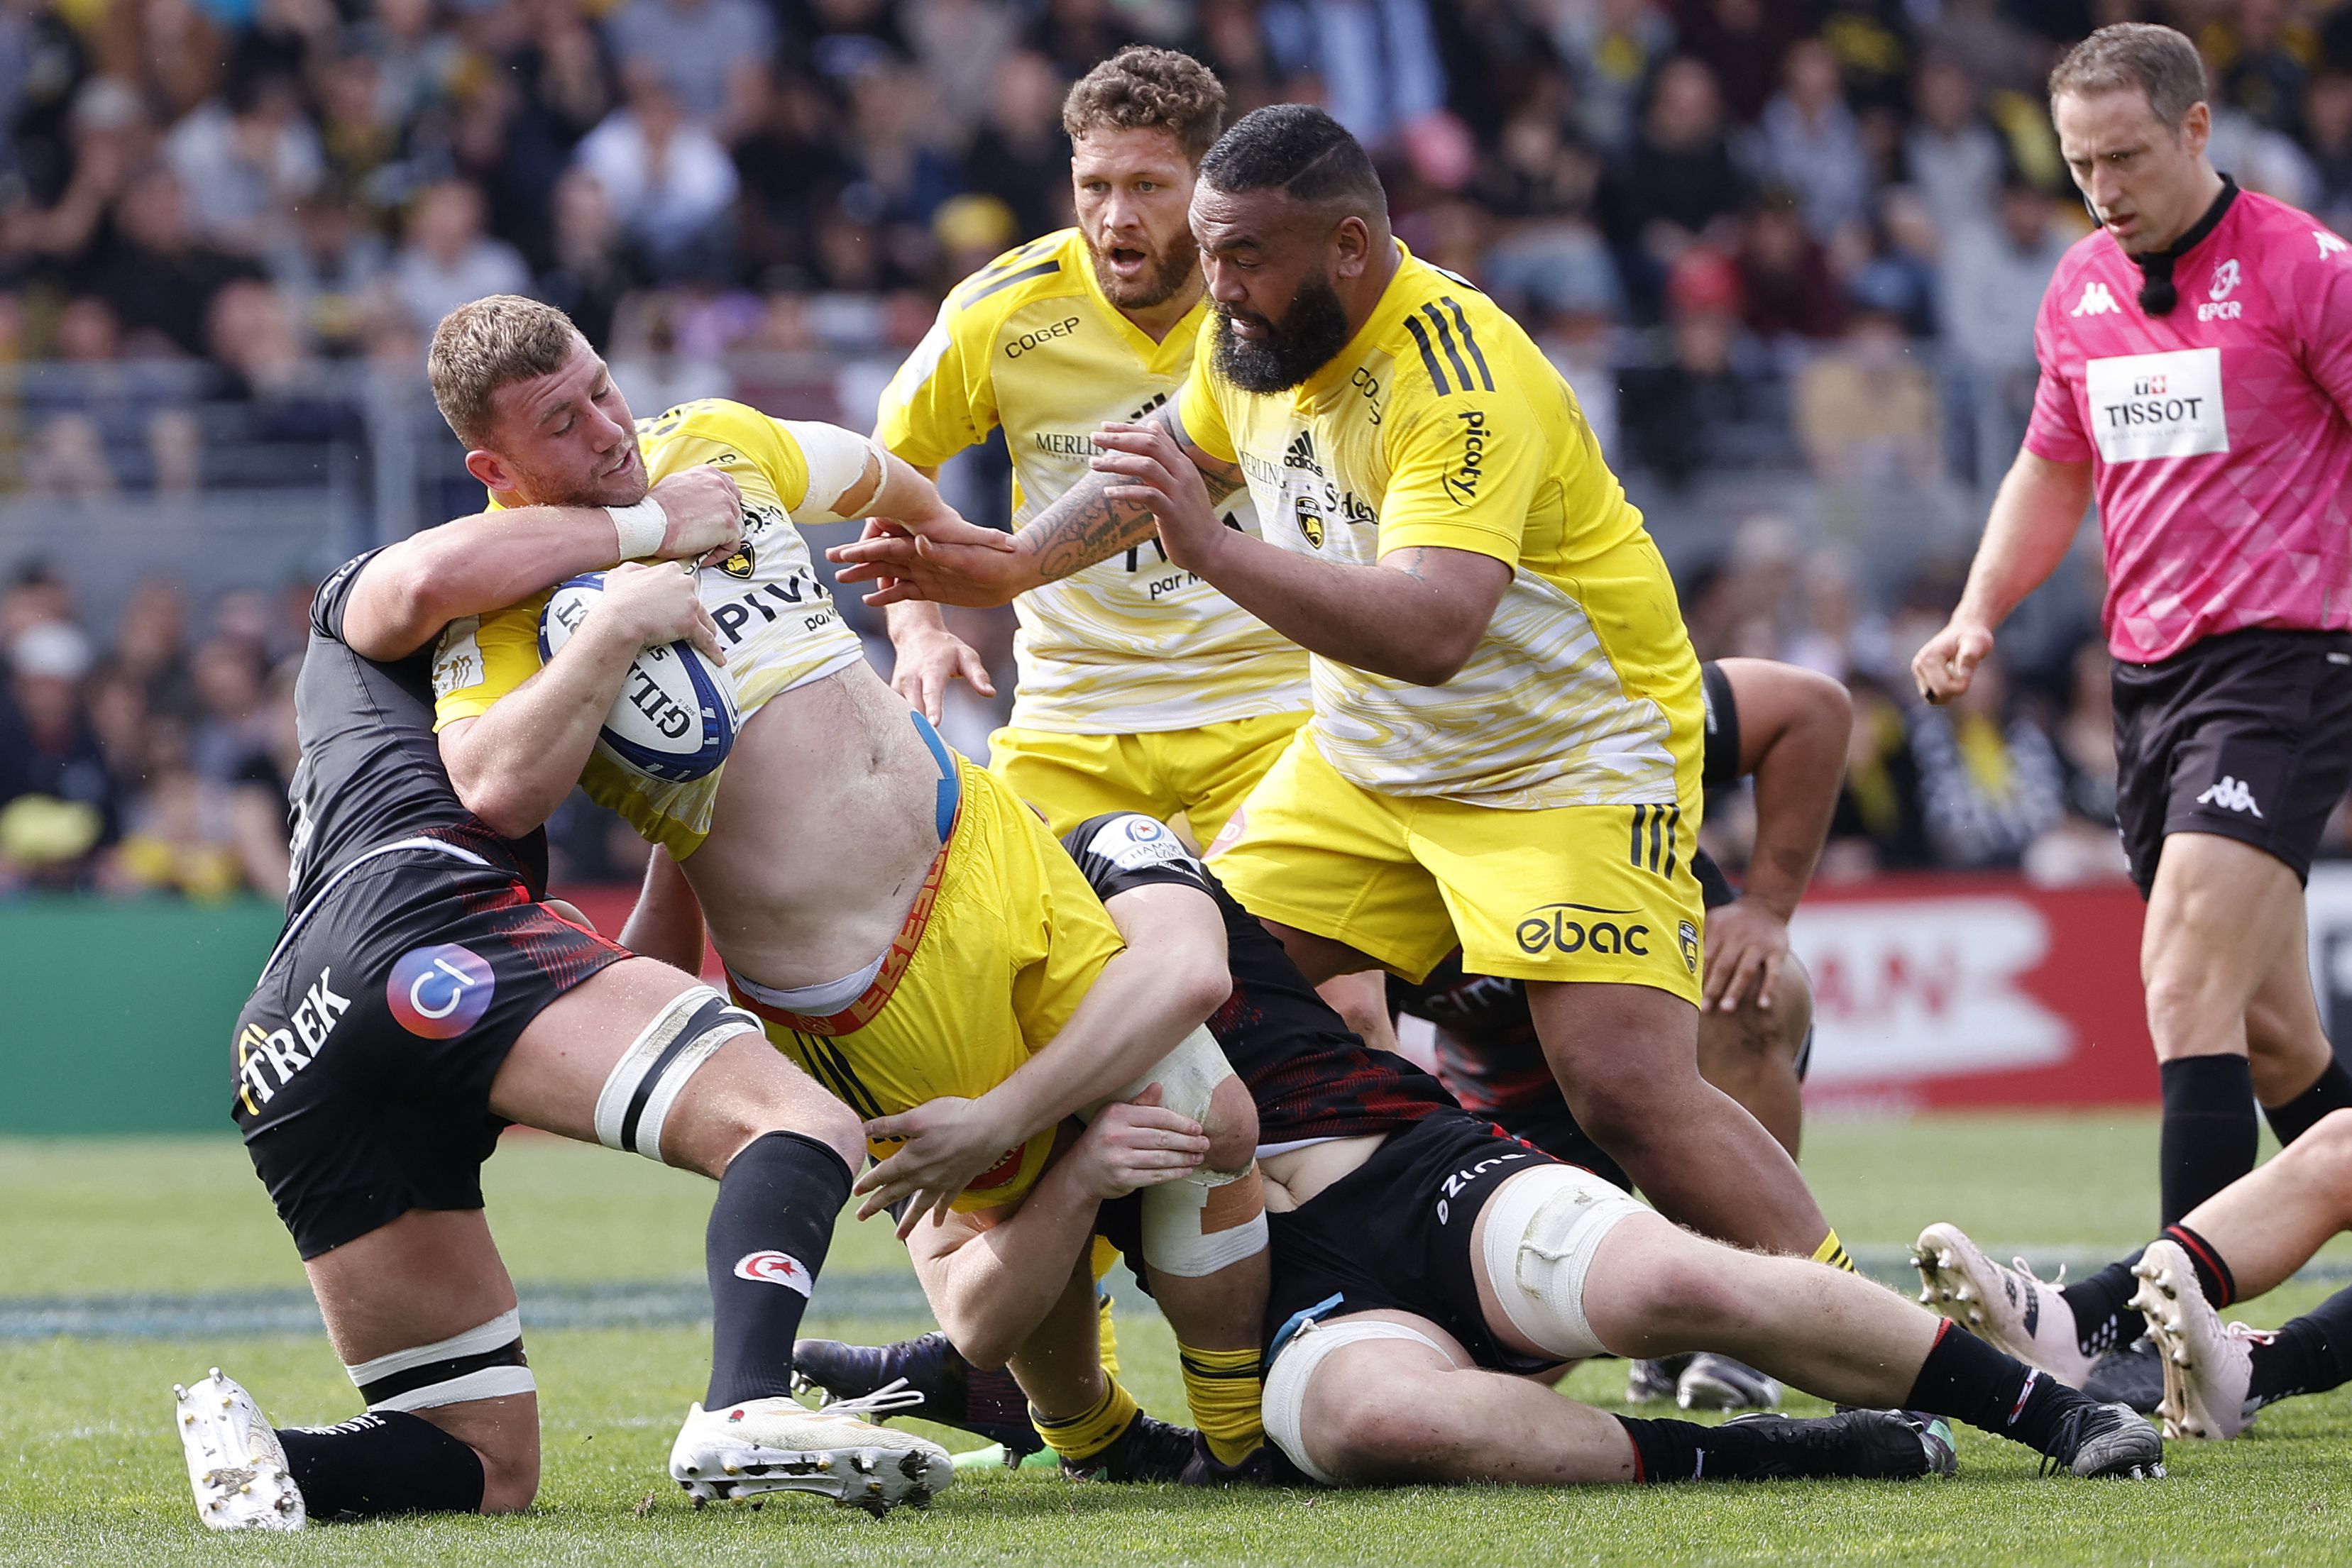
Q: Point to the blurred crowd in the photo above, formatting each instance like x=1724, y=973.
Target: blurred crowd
x=1793, y=236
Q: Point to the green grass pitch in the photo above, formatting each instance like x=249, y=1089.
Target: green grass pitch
x=89, y=1471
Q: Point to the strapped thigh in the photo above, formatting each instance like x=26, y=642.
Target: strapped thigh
x=484, y=1362
x=645, y=1082
x=1294, y=1365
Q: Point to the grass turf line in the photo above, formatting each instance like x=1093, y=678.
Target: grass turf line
x=89, y=1471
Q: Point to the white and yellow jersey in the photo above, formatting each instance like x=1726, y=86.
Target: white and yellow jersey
x=1132, y=644
x=774, y=614
x=1443, y=425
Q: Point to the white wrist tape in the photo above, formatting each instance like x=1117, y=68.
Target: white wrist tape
x=641, y=528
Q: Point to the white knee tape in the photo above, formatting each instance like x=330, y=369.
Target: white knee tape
x=1173, y=1240
x=644, y=1083
x=1284, y=1404
x=485, y=1362
x=1542, y=1230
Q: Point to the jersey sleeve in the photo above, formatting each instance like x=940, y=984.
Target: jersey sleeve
x=942, y=399
x=1118, y=851
x=833, y=461
x=1196, y=406
x=1719, y=762
x=334, y=596
x=2054, y=431
x=1464, y=467
x=2323, y=294
x=481, y=658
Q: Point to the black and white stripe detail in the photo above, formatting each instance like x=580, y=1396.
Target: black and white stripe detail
x=1447, y=332
x=645, y=1083
x=485, y=1362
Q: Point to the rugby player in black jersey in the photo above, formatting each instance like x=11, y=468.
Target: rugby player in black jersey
x=427, y=993
x=1425, y=1262
x=1787, y=727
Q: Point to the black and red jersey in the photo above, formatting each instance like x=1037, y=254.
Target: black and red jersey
x=1311, y=1077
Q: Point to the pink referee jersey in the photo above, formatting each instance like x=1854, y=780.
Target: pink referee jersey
x=2219, y=433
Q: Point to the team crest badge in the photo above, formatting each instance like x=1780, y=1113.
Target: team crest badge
x=739, y=565
x=1310, y=522
x=1688, y=932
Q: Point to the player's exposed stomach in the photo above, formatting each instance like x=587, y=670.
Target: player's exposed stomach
x=823, y=828
x=1296, y=1176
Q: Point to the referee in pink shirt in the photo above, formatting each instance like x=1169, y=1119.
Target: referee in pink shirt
x=2196, y=357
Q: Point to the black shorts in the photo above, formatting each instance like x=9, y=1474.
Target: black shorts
x=362, y=1063
x=1395, y=1233
x=2247, y=735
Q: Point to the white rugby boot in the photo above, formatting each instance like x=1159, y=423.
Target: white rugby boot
x=742, y=1452
x=235, y=1463
x=2207, y=1363
x=2007, y=1307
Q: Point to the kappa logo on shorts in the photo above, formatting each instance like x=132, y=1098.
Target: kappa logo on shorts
x=440, y=992
x=1553, y=926
x=773, y=1267
x=2232, y=795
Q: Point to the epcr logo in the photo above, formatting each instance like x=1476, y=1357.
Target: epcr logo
x=439, y=993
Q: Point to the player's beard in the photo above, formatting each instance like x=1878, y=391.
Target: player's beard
x=1310, y=334
x=1165, y=276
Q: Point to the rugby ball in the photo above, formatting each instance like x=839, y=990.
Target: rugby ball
x=675, y=719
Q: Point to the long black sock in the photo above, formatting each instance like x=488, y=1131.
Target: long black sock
x=2214, y=1276
x=2101, y=1314
x=1741, y=1451
x=382, y=1462
x=2210, y=1133
x=2310, y=1355
x=769, y=1232
x=1969, y=1380
x=2331, y=1090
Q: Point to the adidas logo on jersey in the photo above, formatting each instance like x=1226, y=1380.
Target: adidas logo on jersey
x=1301, y=453
x=2231, y=795
x=2096, y=301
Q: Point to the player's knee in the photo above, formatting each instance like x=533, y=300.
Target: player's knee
x=509, y=1475
x=2322, y=1156
x=1232, y=1126
x=1689, y=1289
x=1370, y=1430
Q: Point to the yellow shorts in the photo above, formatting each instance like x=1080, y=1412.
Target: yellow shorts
x=1004, y=942
x=1203, y=773
x=1575, y=892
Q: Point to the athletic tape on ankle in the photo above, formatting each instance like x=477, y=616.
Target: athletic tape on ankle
x=484, y=1362
x=645, y=1083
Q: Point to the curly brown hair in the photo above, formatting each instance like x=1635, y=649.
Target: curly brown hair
x=1143, y=87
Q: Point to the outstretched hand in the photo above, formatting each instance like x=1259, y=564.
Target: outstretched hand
x=943, y=560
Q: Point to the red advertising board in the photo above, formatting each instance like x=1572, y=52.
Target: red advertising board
x=1968, y=992
x=1934, y=993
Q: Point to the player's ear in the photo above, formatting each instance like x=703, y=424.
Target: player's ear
x=1351, y=246
x=2197, y=127
x=490, y=468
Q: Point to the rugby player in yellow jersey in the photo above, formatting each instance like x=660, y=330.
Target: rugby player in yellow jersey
x=906, y=927
x=1505, y=748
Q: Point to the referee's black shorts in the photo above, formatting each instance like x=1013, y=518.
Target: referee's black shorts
x=2247, y=735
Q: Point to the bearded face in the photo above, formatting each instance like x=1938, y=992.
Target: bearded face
x=1266, y=354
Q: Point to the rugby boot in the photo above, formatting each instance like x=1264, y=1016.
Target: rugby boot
x=2130, y=1374
x=1266, y=1465
x=988, y=1405
x=235, y=1463
x=2099, y=1441
x=1714, y=1382
x=1879, y=1445
x=743, y=1452
x=2006, y=1307
x=1654, y=1381
x=2207, y=1363
x=1146, y=1450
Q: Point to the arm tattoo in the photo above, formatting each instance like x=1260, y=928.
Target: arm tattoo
x=1085, y=527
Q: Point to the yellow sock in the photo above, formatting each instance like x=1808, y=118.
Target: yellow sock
x=1224, y=1388
x=1832, y=1252
x=1084, y=1435
x=1105, y=1254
